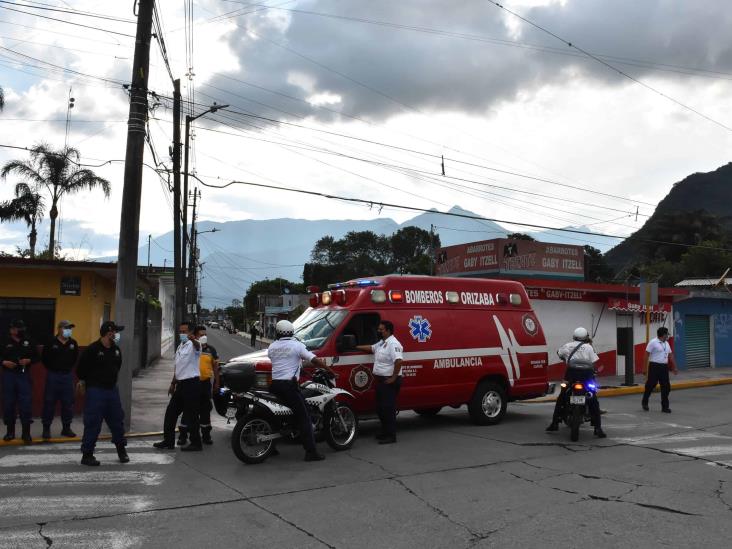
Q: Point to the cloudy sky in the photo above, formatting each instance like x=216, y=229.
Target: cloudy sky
x=459, y=78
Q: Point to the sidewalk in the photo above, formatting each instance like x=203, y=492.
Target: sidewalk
x=686, y=379
x=149, y=400
x=261, y=342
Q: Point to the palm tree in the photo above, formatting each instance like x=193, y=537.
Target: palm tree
x=27, y=206
x=60, y=173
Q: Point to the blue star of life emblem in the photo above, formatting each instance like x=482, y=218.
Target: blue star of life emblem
x=420, y=328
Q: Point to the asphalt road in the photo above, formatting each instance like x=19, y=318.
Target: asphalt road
x=658, y=481
x=227, y=345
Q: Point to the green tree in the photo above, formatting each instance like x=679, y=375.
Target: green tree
x=275, y=286
x=60, y=173
x=412, y=250
x=596, y=267
x=520, y=236
x=27, y=206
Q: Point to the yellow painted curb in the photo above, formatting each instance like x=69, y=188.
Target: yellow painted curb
x=60, y=440
x=639, y=389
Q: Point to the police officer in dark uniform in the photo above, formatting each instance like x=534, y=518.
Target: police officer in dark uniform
x=17, y=354
x=59, y=357
x=97, y=371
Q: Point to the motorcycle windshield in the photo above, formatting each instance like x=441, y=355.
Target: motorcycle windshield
x=315, y=326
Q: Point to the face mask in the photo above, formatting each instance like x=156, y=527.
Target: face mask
x=183, y=337
x=202, y=340
x=117, y=337
x=66, y=332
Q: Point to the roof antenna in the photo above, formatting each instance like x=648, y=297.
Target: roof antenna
x=443, y=164
x=636, y=214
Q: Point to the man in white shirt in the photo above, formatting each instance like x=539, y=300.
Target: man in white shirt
x=184, y=390
x=581, y=358
x=287, y=355
x=387, y=373
x=659, y=359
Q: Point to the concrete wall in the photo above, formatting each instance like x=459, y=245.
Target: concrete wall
x=560, y=318
x=720, y=313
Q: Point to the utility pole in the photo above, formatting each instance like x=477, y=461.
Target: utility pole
x=149, y=238
x=192, y=256
x=129, y=226
x=178, y=276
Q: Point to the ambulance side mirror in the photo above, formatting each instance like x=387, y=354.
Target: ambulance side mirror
x=346, y=342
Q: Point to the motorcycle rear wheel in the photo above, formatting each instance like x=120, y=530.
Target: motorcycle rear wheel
x=575, y=420
x=338, y=436
x=244, y=439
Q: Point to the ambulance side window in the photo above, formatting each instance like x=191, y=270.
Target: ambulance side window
x=364, y=327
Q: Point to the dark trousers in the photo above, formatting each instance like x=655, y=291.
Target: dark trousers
x=205, y=406
x=253, y=339
x=386, y=397
x=59, y=387
x=592, y=404
x=289, y=392
x=185, y=400
x=657, y=374
x=16, y=392
x=102, y=405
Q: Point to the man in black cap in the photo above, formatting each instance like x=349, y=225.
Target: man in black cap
x=59, y=357
x=97, y=371
x=16, y=355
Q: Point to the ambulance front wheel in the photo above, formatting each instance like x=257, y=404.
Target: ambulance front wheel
x=488, y=405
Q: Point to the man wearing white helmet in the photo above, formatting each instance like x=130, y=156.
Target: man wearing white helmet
x=287, y=355
x=581, y=359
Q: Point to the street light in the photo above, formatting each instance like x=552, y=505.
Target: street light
x=212, y=109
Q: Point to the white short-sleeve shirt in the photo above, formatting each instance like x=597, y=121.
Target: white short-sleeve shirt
x=386, y=352
x=287, y=355
x=584, y=356
x=659, y=351
x=187, y=360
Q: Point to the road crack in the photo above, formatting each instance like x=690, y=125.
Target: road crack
x=295, y=526
x=47, y=539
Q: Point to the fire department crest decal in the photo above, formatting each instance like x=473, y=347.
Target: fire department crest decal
x=420, y=328
x=360, y=379
x=529, y=324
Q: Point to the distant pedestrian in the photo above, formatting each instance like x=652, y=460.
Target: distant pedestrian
x=17, y=354
x=253, y=336
x=185, y=390
x=98, y=369
x=659, y=359
x=387, y=373
x=209, y=370
x=59, y=357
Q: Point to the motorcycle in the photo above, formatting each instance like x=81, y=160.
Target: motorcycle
x=577, y=395
x=262, y=418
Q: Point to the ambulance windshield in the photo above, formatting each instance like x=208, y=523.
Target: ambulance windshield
x=314, y=326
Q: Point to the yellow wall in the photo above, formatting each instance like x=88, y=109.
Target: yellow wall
x=86, y=310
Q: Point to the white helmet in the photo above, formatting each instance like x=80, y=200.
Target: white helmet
x=284, y=328
x=580, y=334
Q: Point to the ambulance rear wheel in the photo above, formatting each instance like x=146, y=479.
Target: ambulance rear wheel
x=488, y=405
x=428, y=412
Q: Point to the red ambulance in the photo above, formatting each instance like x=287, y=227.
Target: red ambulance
x=466, y=341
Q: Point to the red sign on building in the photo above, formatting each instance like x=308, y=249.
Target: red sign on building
x=512, y=257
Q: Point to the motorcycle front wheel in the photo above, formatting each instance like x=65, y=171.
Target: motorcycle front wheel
x=341, y=426
x=244, y=439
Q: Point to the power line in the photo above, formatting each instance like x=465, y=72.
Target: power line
x=68, y=22
x=612, y=67
x=158, y=33
x=378, y=204
x=71, y=12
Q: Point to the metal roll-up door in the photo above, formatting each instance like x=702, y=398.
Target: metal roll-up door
x=697, y=341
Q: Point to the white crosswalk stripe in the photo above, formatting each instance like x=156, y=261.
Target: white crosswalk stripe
x=110, y=539
x=79, y=505
x=66, y=458
x=56, y=478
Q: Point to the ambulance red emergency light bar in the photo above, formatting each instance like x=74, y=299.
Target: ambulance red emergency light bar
x=466, y=341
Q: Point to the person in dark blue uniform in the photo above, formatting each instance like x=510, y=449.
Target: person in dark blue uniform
x=59, y=357
x=97, y=371
x=17, y=354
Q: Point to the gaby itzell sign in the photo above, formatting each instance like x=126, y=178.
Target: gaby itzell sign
x=512, y=257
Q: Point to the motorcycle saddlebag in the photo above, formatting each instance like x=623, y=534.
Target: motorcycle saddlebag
x=238, y=376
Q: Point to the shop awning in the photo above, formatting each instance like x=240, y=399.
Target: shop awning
x=634, y=306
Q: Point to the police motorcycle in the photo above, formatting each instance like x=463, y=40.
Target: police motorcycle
x=262, y=418
x=577, y=394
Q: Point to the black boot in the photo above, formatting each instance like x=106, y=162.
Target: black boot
x=206, y=435
x=553, y=426
x=164, y=445
x=26, y=435
x=314, y=456
x=67, y=432
x=182, y=436
x=46, y=432
x=10, y=435
x=599, y=433
x=89, y=459
x=122, y=453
